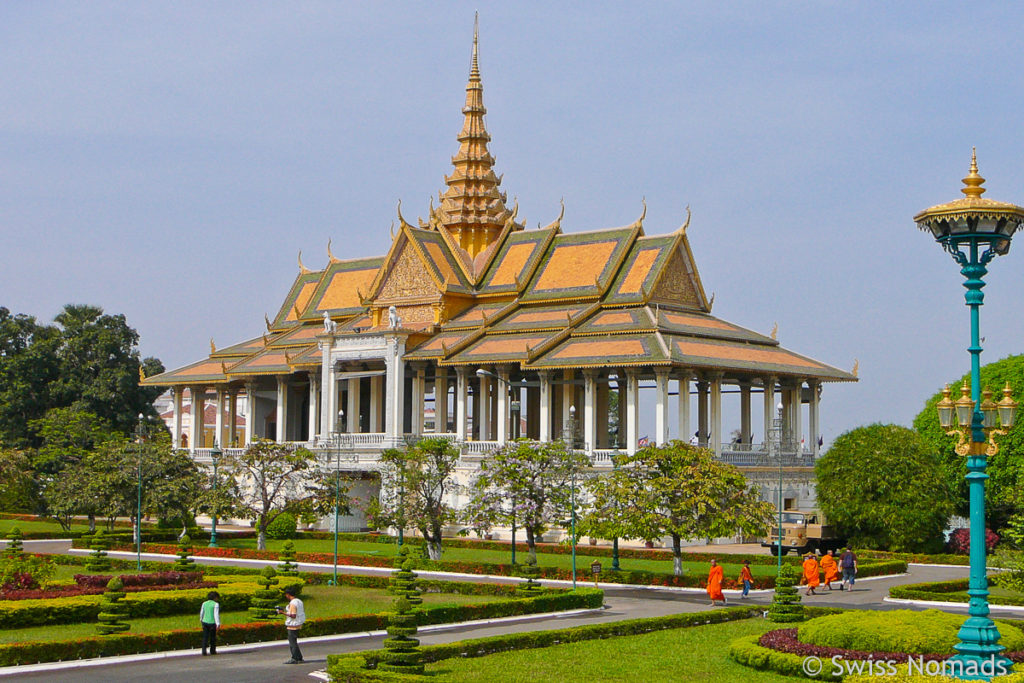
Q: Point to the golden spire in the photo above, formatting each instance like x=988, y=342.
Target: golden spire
x=973, y=181
x=473, y=208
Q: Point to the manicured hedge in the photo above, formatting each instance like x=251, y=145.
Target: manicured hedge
x=71, y=610
x=468, y=567
x=946, y=591
x=916, y=558
x=748, y=652
x=254, y=632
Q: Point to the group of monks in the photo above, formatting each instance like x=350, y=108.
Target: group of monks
x=812, y=570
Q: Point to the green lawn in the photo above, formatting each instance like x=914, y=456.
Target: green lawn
x=699, y=653
x=320, y=601
x=6, y=525
x=732, y=570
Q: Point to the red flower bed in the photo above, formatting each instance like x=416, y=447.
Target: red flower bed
x=148, y=579
x=785, y=640
x=71, y=591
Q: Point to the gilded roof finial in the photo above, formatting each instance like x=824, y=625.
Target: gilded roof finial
x=775, y=332
x=973, y=181
x=330, y=256
x=302, y=269
x=474, y=67
x=213, y=347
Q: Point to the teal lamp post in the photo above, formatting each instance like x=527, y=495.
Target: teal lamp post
x=215, y=454
x=974, y=231
x=569, y=437
x=140, y=436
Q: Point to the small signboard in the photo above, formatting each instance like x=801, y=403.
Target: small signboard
x=595, y=569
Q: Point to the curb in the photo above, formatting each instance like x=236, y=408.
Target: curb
x=1016, y=609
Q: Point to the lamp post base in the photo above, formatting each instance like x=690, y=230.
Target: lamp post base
x=979, y=655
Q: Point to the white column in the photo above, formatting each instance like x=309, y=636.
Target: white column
x=661, y=407
x=702, y=413
x=461, y=393
x=195, y=436
x=441, y=400
x=769, y=407
x=716, y=415
x=745, y=432
x=250, y=412
x=314, y=395
x=353, y=407
x=684, y=407
x=545, y=405
x=814, y=418
x=502, y=389
x=218, y=440
x=176, y=393
x=418, y=387
x=282, y=409
x=568, y=396
x=328, y=391
x=632, y=389
x=394, y=416
x=798, y=427
x=484, y=402
x=376, y=403
x=233, y=417
x=589, y=408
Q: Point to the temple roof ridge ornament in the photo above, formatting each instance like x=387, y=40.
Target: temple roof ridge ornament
x=330, y=256
x=303, y=270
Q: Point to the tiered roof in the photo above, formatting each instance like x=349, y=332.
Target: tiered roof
x=473, y=287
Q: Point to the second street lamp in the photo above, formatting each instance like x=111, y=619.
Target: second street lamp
x=140, y=435
x=974, y=231
x=215, y=454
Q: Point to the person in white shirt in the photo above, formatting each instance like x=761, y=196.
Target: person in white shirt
x=209, y=618
x=294, y=617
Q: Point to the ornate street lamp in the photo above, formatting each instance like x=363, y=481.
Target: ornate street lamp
x=569, y=437
x=974, y=231
x=215, y=454
x=775, y=447
x=140, y=435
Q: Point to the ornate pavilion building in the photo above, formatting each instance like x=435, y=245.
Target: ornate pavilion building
x=473, y=328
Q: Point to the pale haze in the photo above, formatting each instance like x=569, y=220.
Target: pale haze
x=168, y=161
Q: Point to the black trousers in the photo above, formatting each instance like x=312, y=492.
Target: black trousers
x=209, y=638
x=293, y=644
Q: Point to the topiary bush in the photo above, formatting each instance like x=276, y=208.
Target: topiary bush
x=402, y=651
x=959, y=541
x=98, y=560
x=113, y=611
x=264, y=602
x=14, y=546
x=531, y=588
x=403, y=580
x=786, y=606
x=184, y=563
x=284, y=526
x=927, y=632
x=288, y=570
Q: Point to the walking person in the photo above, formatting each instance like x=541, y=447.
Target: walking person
x=848, y=562
x=715, y=577
x=811, y=576
x=294, y=617
x=209, y=619
x=831, y=570
x=746, y=577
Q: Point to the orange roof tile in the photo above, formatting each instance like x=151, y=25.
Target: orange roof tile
x=639, y=271
x=583, y=349
x=748, y=354
x=341, y=291
x=697, y=321
x=498, y=345
x=617, y=318
x=512, y=265
x=575, y=265
x=301, y=300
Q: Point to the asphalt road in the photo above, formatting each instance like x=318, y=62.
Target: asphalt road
x=264, y=663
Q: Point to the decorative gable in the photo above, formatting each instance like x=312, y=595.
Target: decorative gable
x=678, y=284
x=408, y=279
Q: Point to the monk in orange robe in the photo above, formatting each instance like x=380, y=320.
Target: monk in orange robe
x=831, y=569
x=811, y=577
x=715, y=577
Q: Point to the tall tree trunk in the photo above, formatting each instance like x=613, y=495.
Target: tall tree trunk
x=531, y=544
x=261, y=538
x=677, y=556
x=92, y=524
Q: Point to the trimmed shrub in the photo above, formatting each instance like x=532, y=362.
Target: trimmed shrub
x=151, y=579
x=403, y=580
x=184, y=563
x=284, y=526
x=749, y=652
x=959, y=541
x=264, y=601
x=403, y=653
x=98, y=560
x=22, y=571
x=113, y=611
x=531, y=587
x=14, y=546
x=786, y=606
x=927, y=632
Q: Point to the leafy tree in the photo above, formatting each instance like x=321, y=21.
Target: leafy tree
x=28, y=369
x=19, y=491
x=1004, y=489
x=414, y=486
x=272, y=476
x=681, y=491
x=882, y=486
x=67, y=435
x=528, y=483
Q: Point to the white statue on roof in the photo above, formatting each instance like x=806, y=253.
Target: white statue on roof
x=393, y=320
x=329, y=325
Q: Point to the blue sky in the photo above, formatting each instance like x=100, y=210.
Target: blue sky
x=169, y=160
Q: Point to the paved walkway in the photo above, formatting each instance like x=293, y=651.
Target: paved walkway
x=263, y=662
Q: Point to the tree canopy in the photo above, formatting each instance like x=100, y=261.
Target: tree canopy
x=676, y=490
x=882, y=486
x=87, y=360
x=1004, y=498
